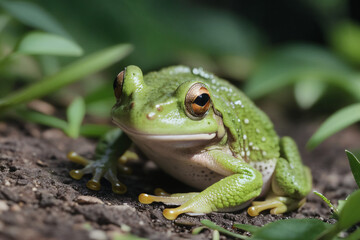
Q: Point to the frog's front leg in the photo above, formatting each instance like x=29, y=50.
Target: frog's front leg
x=291, y=182
x=242, y=184
x=106, y=165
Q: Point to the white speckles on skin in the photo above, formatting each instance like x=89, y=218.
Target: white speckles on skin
x=263, y=139
x=246, y=121
x=244, y=137
x=242, y=153
x=150, y=115
x=238, y=102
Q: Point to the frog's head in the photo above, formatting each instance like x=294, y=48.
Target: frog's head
x=170, y=105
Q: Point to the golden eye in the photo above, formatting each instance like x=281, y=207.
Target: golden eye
x=118, y=84
x=197, y=101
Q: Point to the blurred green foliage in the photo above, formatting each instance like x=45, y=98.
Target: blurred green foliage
x=264, y=47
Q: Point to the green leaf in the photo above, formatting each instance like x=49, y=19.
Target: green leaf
x=41, y=43
x=345, y=38
x=213, y=226
x=336, y=122
x=94, y=130
x=354, y=236
x=291, y=229
x=34, y=16
x=350, y=213
x=75, y=71
x=308, y=92
x=327, y=201
x=75, y=115
x=197, y=230
x=355, y=166
x=43, y=119
x=301, y=62
x=247, y=227
x=348, y=216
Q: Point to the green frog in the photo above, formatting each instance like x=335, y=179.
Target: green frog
x=205, y=132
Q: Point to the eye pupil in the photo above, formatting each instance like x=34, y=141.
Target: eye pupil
x=202, y=99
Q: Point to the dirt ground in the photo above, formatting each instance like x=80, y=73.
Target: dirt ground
x=39, y=200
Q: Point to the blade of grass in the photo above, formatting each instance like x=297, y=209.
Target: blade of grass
x=77, y=70
x=43, y=119
x=41, y=43
x=75, y=115
x=246, y=227
x=216, y=235
x=213, y=226
x=327, y=201
x=33, y=15
x=355, y=166
x=94, y=130
x=197, y=230
x=336, y=122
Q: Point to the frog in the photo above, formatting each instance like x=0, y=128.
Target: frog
x=205, y=132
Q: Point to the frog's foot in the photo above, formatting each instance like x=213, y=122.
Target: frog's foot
x=100, y=168
x=276, y=205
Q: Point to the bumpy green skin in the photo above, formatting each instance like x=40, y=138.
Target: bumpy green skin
x=249, y=134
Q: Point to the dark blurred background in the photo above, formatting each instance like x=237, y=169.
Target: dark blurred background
x=302, y=53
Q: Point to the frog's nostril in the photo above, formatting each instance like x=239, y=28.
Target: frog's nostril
x=132, y=104
x=159, y=107
x=151, y=115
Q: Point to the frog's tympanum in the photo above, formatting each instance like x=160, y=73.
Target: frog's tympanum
x=206, y=133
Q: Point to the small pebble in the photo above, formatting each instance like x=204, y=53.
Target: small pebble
x=3, y=206
x=97, y=235
x=88, y=200
x=15, y=208
x=41, y=163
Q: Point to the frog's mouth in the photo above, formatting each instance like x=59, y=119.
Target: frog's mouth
x=167, y=137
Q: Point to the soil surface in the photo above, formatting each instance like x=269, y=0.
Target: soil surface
x=39, y=200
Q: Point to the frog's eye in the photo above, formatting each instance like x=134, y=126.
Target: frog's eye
x=118, y=84
x=197, y=101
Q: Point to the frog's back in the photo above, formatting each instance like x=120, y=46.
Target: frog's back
x=251, y=132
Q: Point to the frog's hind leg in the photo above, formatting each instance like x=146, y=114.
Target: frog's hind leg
x=106, y=165
x=229, y=194
x=291, y=182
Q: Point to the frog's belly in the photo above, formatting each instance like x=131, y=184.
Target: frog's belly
x=179, y=163
x=185, y=171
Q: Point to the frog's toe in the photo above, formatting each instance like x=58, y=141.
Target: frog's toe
x=173, y=213
x=98, y=169
x=76, y=158
x=117, y=186
x=276, y=205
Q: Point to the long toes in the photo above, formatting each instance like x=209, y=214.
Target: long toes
x=117, y=186
x=76, y=174
x=146, y=198
x=94, y=183
x=265, y=205
x=76, y=158
x=173, y=213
